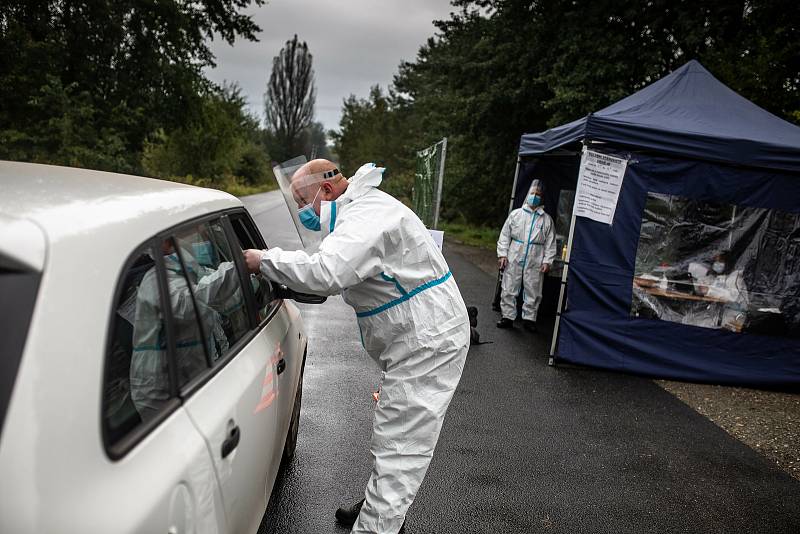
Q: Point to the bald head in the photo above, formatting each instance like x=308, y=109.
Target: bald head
x=315, y=166
x=317, y=180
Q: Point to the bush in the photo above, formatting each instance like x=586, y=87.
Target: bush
x=230, y=184
x=222, y=141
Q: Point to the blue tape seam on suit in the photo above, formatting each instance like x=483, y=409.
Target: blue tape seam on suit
x=396, y=283
x=333, y=216
x=417, y=290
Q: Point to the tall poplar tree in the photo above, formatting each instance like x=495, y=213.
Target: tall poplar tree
x=289, y=100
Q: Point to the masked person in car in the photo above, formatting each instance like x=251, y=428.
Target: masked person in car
x=525, y=251
x=413, y=321
x=215, y=291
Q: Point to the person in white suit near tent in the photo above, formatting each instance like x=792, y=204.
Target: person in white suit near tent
x=525, y=250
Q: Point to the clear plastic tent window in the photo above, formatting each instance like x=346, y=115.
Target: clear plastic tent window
x=718, y=266
x=563, y=219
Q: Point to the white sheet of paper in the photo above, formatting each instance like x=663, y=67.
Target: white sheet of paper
x=599, y=182
x=438, y=237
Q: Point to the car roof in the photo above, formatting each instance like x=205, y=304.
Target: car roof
x=67, y=203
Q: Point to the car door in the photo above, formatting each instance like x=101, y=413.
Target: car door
x=233, y=405
x=282, y=329
x=160, y=477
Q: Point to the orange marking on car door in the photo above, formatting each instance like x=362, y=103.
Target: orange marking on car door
x=265, y=402
x=268, y=391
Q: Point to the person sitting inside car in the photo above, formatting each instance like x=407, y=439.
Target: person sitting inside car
x=214, y=289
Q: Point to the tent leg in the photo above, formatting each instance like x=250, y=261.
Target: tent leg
x=564, y=275
x=514, y=186
x=562, y=292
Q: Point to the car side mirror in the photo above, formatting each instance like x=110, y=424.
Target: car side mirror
x=284, y=292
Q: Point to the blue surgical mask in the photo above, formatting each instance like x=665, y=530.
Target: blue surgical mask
x=534, y=200
x=308, y=217
x=204, y=253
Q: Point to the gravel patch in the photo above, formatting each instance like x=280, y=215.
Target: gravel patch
x=766, y=421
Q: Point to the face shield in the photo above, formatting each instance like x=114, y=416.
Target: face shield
x=301, y=191
x=535, y=192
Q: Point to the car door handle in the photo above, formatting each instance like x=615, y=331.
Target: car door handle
x=233, y=440
x=281, y=365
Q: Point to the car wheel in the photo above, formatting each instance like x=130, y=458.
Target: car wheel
x=294, y=425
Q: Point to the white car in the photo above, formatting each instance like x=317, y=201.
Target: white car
x=147, y=382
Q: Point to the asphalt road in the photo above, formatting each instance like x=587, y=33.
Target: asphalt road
x=525, y=447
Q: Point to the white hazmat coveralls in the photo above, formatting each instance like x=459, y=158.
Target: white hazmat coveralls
x=528, y=240
x=413, y=323
x=216, y=289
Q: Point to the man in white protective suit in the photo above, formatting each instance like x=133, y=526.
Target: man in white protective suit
x=413, y=321
x=526, y=249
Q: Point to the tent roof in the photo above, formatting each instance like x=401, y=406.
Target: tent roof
x=686, y=113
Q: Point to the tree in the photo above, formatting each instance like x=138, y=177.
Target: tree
x=130, y=67
x=290, y=97
x=612, y=49
x=375, y=129
x=497, y=69
x=314, y=142
x=220, y=144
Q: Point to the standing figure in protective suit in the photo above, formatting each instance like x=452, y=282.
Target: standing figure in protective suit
x=526, y=249
x=413, y=321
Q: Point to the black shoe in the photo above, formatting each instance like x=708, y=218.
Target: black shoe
x=505, y=323
x=347, y=515
x=472, y=312
x=530, y=326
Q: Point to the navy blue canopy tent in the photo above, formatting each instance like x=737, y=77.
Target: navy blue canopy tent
x=713, y=180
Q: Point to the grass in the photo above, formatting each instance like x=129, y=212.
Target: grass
x=240, y=190
x=476, y=236
x=230, y=184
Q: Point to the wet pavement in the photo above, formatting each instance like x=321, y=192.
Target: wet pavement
x=525, y=447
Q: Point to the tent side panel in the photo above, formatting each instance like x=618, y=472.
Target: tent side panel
x=598, y=328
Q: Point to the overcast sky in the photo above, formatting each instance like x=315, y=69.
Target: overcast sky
x=355, y=45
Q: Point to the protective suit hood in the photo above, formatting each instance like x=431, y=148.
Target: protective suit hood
x=366, y=178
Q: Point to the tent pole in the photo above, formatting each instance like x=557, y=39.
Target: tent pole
x=497, y=288
x=564, y=274
x=514, y=187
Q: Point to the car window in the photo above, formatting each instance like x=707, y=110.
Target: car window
x=18, y=289
x=264, y=293
x=204, y=259
x=136, y=383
